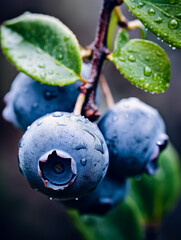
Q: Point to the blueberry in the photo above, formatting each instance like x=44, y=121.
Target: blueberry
x=135, y=134
x=63, y=155
x=28, y=99
x=107, y=195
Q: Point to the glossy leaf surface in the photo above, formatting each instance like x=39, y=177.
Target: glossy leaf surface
x=142, y=62
x=162, y=17
x=43, y=48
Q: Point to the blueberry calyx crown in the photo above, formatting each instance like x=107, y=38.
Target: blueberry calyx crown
x=57, y=169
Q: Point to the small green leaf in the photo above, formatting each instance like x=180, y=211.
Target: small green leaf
x=142, y=62
x=157, y=194
x=162, y=17
x=122, y=223
x=43, y=48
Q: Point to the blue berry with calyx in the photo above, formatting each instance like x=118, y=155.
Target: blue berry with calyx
x=135, y=135
x=28, y=99
x=63, y=155
x=105, y=197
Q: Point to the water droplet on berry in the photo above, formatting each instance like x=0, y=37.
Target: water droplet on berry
x=57, y=114
x=49, y=95
x=39, y=122
x=83, y=161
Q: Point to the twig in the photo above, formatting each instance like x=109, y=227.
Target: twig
x=106, y=91
x=79, y=104
x=99, y=52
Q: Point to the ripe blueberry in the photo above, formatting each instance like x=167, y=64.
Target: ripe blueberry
x=107, y=195
x=28, y=99
x=63, y=155
x=135, y=134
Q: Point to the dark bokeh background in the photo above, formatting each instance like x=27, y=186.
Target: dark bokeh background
x=26, y=214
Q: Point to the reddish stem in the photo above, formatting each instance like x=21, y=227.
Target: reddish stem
x=99, y=52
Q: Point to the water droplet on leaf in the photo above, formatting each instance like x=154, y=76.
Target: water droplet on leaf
x=147, y=71
x=173, y=24
x=151, y=11
x=131, y=58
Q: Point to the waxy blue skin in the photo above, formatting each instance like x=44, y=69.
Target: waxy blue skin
x=105, y=197
x=28, y=99
x=135, y=134
x=77, y=137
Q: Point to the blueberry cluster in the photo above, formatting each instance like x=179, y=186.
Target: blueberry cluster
x=66, y=156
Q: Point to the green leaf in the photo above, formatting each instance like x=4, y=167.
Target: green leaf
x=142, y=62
x=162, y=17
x=156, y=195
x=122, y=223
x=43, y=48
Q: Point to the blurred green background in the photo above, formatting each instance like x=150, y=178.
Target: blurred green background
x=26, y=214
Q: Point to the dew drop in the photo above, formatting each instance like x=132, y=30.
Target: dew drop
x=43, y=75
x=151, y=11
x=57, y=114
x=133, y=6
x=140, y=5
x=115, y=118
x=35, y=105
x=146, y=85
x=39, y=122
x=158, y=20
x=49, y=95
x=131, y=58
x=122, y=59
x=60, y=57
x=173, y=48
x=41, y=65
x=147, y=58
x=76, y=199
x=142, y=80
x=155, y=76
x=83, y=161
x=50, y=198
x=147, y=71
x=173, y=24
x=50, y=72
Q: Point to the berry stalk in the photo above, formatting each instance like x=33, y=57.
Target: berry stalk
x=99, y=53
